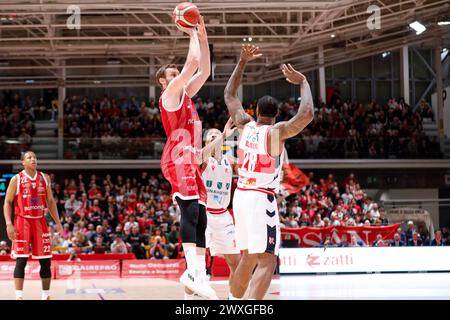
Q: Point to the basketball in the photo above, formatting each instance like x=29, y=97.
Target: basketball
x=186, y=14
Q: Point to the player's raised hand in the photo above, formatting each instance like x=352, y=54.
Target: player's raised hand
x=11, y=231
x=229, y=128
x=249, y=52
x=202, y=35
x=292, y=75
x=189, y=31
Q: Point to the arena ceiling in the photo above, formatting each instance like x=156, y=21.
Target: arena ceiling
x=121, y=42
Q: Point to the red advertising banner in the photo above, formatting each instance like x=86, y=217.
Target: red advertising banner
x=311, y=237
x=153, y=268
x=31, y=270
x=87, y=269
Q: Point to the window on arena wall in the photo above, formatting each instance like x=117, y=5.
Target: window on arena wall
x=383, y=91
x=363, y=91
x=362, y=68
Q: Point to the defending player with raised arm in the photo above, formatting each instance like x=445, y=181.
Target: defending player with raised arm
x=217, y=173
x=260, y=154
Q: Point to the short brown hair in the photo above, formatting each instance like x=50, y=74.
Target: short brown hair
x=161, y=73
x=22, y=157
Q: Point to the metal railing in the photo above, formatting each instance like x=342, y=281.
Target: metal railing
x=120, y=148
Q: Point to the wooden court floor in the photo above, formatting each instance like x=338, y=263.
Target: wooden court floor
x=393, y=286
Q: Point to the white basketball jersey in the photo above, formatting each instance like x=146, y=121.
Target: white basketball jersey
x=257, y=168
x=217, y=177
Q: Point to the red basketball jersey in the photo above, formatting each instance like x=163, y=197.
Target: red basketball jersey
x=184, y=133
x=31, y=195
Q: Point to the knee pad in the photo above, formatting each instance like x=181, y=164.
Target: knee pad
x=45, y=268
x=19, y=270
x=201, y=227
x=189, y=220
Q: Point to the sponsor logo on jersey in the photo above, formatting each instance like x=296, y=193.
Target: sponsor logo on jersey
x=35, y=201
x=209, y=183
x=193, y=121
x=212, y=191
x=249, y=181
x=228, y=186
x=219, y=185
x=34, y=208
x=33, y=184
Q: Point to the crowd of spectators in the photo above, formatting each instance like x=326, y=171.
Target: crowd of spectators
x=326, y=202
x=134, y=213
x=119, y=215
x=130, y=128
x=340, y=129
x=17, y=116
x=123, y=128
x=346, y=129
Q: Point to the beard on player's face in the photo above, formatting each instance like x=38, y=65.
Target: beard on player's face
x=171, y=74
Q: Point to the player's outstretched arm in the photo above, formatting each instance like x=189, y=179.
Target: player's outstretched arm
x=204, y=71
x=234, y=105
x=51, y=204
x=216, y=145
x=305, y=114
x=171, y=96
x=8, y=208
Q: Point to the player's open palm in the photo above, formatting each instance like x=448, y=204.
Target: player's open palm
x=11, y=231
x=229, y=128
x=292, y=75
x=249, y=52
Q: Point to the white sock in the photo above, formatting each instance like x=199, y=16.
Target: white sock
x=201, y=264
x=188, y=296
x=19, y=293
x=191, y=258
x=45, y=294
x=230, y=297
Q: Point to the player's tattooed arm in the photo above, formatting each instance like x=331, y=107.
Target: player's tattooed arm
x=305, y=114
x=237, y=112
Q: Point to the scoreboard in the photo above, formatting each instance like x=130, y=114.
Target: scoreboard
x=4, y=182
